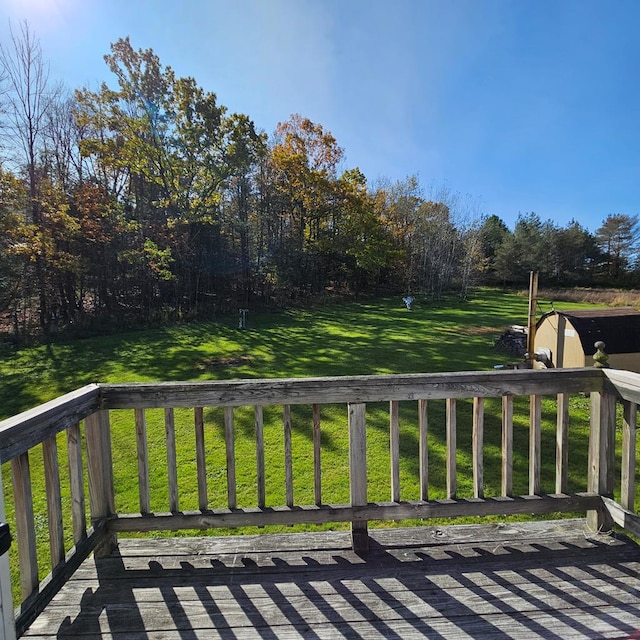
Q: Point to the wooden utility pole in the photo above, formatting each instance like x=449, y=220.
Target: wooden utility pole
x=531, y=325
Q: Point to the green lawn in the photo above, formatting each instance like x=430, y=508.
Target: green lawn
x=377, y=337
x=341, y=339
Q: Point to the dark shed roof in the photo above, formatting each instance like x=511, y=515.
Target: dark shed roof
x=618, y=328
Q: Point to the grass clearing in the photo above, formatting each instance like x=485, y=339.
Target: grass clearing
x=376, y=337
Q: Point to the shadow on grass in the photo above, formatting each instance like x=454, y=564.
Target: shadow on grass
x=380, y=337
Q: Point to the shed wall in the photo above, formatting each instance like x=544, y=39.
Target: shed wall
x=558, y=335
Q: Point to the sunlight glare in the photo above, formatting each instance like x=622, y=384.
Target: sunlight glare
x=43, y=15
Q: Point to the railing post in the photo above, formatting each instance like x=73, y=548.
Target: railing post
x=358, y=473
x=100, y=468
x=601, y=456
x=7, y=622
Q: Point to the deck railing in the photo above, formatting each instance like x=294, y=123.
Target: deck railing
x=78, y=524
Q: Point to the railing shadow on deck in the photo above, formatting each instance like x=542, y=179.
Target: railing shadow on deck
x=91, y=523
x=431, y=591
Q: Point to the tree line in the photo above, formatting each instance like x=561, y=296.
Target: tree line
x=146, y=200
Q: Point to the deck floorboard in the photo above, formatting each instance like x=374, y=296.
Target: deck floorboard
x=519, y=580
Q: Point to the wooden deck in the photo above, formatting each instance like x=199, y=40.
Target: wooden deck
x=534, y=580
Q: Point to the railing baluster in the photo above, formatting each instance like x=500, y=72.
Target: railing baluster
x=394, y=442
x=452, y=483
x=317, y=466
x=562, y=444
x=54, y=500
x=423, y=429
x=507, y=445
x=258, y=418
x=143, y=461
x=229, y=446
x=25, y=526
x=172, y=465
x=201, y=465
x=535, y=436
x=358, y=472
x=288, y=457
x=478, y=446
x=627, y=489
x=76, y=483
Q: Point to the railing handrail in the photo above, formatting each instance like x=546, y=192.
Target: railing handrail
x=350, y=389
x=21, y=432
x=25, y=430
x=624, y=384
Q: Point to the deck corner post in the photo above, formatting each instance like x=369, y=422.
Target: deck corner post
x=358, y=473
x=601, y=456
x=100, y=470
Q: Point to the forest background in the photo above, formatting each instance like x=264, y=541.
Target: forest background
x=146, y=201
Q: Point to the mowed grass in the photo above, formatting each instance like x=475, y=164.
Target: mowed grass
x=374, y=337
x=379, y=337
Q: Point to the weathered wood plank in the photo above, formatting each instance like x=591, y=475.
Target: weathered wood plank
x=27, y=429
x=535, y=438
x=502, y=581
x=230, y=456
x=562, y=443
x=98, y=490
x=601, y=455
x=478, y=447
x=288, y=455
x=423, y=438
x=623, y=517
x=76, y=482
x=452, y=482
x=201, y=462
x=172, y=465
x=54, y=500
x=460, y=626
x=25, y=526
x=100, y=472
x=624, y=384
x=394, y=446
x=107, y=463
x=51, y=585
x=460, y=608
x=507, y=445
x=549, y=532
x=628, y=462
x=358, y=472
x=143, y=460
x=317, y=456
x=258, y=419
x=254, y=566
x=312, y=514
x=352, y=389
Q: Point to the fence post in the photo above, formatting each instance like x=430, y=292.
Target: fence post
x=601, y=456
x=7, y=623
x=358, y=473
x=100, y=468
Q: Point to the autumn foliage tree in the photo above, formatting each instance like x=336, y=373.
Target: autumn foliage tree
x=146, y=200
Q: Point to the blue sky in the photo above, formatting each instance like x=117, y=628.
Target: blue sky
x=516, y=105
